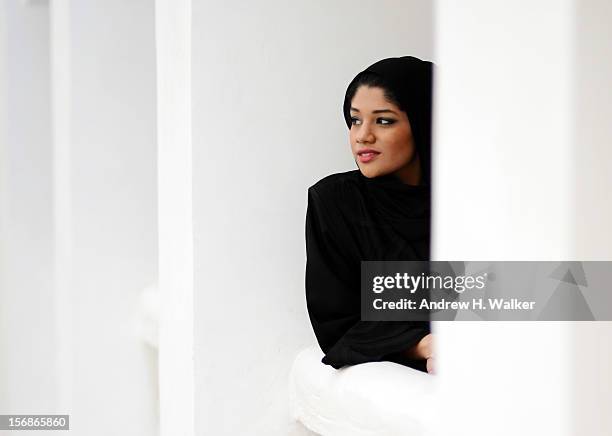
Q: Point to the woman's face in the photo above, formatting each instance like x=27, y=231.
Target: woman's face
x=381, y=137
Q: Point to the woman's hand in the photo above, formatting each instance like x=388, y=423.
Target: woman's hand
x=425, y=347
x=431, y=365
x=424, y=350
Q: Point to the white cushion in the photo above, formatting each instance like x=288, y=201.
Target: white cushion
x=376, y=398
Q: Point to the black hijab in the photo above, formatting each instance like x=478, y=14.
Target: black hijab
x=351, y=218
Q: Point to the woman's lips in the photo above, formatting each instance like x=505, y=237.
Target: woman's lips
x=367, y=156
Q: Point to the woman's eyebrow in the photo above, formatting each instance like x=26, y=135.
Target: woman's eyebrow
x=377, y=111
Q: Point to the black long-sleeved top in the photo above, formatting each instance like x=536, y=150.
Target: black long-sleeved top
x=351, y=218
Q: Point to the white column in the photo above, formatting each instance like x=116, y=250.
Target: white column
x=26, y=222
x=514, y=182
x=105, y=211
x=176, y=364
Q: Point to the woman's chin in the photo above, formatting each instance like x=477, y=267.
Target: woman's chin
x=369, y=172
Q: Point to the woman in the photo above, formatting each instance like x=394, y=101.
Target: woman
x=379, y=212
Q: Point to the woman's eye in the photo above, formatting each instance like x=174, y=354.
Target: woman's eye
x=355, y=121
x=386, y=121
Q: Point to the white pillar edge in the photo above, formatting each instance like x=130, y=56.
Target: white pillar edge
x=61, y=108
x=3, y=183
x=176, y=336
x=3, y=112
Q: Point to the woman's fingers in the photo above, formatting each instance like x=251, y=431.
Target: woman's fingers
x=430, y=365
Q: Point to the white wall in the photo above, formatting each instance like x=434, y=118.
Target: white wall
x=27, y=340
x=268, y=80
x=106, y=211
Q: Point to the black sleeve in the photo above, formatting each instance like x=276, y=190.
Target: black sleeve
x=333, y=296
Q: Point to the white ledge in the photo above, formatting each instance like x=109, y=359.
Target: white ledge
x=377, y=398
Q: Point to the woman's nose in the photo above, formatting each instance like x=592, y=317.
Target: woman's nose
x=365, y=134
